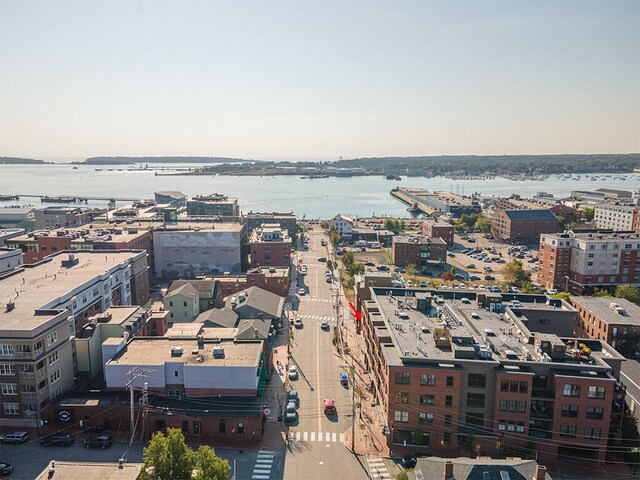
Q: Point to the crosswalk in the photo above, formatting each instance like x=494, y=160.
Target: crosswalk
x=264, y=463
x=314, y=299
x=377, y=469
x=326, y=437
x=316, y=317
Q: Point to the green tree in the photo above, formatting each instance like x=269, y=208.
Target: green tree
x=392, y=225
x=563, y=295
x=628, y=292
x=526, y=287
x=334, y=238
x=402, y=475
x=514, y=273
x=483, y=224
x=209, y=466
x=454, y=270
x=355, y=268
x=347, y=259
x=330, y=265
x=410, y=269
x=561, y=223
x=324, y=224
x=588, y=213
x=601, y=293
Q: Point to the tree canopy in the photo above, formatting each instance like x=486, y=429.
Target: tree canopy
x=628, y=292
x=169, y=458
x=514, y=273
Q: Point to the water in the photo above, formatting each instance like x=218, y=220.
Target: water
x=317, y=198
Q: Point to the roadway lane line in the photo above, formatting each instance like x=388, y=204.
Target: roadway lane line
x=318, y=377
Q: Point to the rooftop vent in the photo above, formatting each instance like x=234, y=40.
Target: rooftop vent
x=70, y=261
x=177, y=351
x=218, y=352
x=10, y=306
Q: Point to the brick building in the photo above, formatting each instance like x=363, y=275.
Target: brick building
x=55, y=217
x=418, y=250
x=522, y=226
x=613, y=320
x=438, y=378
x=581, y=261
x=269, y=246
x=438, y=228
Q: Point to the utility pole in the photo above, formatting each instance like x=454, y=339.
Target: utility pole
x=132, y=377
x=353, y=409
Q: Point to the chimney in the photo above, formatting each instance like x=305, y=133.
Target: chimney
x=541, y=473
x=448, y=470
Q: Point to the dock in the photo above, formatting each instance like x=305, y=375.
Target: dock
x=404, y=197
x=77, y=199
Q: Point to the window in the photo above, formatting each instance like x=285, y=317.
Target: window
x=570, y=390
x=569, y=410
x=512, y=405
x=595, y=412
x=596, y=392
x=448, y=400
x=524, y=387
x=9, y=388
x=449, y=381
x=184, y=304
x=240, y=428
x=53, y=358
x=222, y=426
x=513, y=386
x=592, y=432
x=401, y=416
x=175, y=373
x=428, y=380
x=477, y=380
x=426, y=417
x=503, y=405
x=171, y=304
x=402, y=397
x=6, y=349
x=11, y=408
x=427, y=399
x=475, y=400
x=504, y=386
x=402, y=378
x=52, y=338
x=568, y=430
x=7, y=369
x=55, y=376
x=522, y=406
x=447, y=420
x=446, y=437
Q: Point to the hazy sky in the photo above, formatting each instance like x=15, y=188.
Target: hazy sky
x=312, y=78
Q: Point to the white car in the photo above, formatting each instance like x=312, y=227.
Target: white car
x=298, y=322
x=552, y=291
x=293, y=373
x=303, y=270
x=301, y=291
x=324, y=325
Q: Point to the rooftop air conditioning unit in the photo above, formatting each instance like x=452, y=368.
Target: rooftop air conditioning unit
x=218, y=352
x=176, y=351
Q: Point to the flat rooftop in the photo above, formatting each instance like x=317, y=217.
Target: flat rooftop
x=421, y=239
x=157, y=351
x=186, y=225
x=49, y=285
x=604, y=309
x=458, y=329
x=93, y=470
x=104, y=233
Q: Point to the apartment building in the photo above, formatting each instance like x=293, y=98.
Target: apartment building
x=10, y=259
x=214, y=204
x=418, y=250
x=171, y=198
x=285, y=220
x=42, y=308
x=55, y=217
x=343, y=225
x=455, y=371
x=269, y=246
x=581, y=261
x=522, y=226
x=438, y=228
x=615, y=216
x=613, y=320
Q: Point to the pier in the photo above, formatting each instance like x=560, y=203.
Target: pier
x=76, y=199
x=404, y=197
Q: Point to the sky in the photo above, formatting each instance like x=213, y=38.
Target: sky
x=318, y=79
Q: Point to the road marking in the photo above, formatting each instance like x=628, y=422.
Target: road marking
x=264, y=463
x=342, y=438
x=313, y=436
x=327, y=437
x=334, y=437
x=298, y=436
x=377, y=469
x=319, y=436
x=304, y=437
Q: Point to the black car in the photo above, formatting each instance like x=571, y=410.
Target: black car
x=409, y=461
x=59, y=440
x=6, y=468
x=103, y=441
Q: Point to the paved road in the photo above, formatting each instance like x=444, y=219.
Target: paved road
x=316, y=449
x=30, y=459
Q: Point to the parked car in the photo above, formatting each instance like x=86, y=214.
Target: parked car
x=329, y=406
x=6, y=468
x=291, y=413
x=473, y=278
x=344, y=379
x=58, y=440
x=103, y=441
x=369, y=264
x=408, y=461
x=552, y=291
x=303, y=270
x=324, y=325
x=292, y=396
x=301, y=291
x=470, y=265
x=14, y=437
x=293, y=373
x=489, y=277
x=322, y=259
x=423, y=284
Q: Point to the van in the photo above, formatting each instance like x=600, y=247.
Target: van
x=14, y=437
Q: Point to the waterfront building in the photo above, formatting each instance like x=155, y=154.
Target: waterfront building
x=43, y=308
x=171, y=199
x=438, y=228
x=55, y=217
x=458, y=370
x=418, y=250
x=7, y=234
x=15, y=215
x=624, y=195
x=579, y=262
x=615, y=216
x=10, y=259
x=285, y=220
x=270, y=246
x=343, y=225
x=214, y=204
x=522, y=226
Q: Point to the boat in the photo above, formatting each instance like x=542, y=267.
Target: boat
x=4, y=198
x=59, y=199
x=75, y=168
x=393, y=177
x=414, y=208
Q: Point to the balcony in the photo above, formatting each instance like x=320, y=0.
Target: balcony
x=541, y=413
x=542, y=393
x=27, y=375
x=28, y=395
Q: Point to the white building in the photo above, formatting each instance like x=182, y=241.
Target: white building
x=343, y=225
x=614, y=217
x=10, y=259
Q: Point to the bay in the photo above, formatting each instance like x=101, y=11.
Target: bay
x=313, y=198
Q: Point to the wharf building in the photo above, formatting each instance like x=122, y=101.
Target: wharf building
x=55, y=217
x=522, y=226
x=213, y=205
x=445, y=202
x=43, y=307
x=171, y=199
x=483, y=372
x=418, y=250
x=579, y=262
x=10, y=259
x=269, y=246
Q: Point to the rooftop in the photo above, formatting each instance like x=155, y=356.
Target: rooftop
x=528, y=215
x=158, y=350
x=50, y=285
x=611, y=310
x=213, y=198
x=423, y=239
x=86, y=234
x=93, y=470
x=171, y=193
x=197, y=226
x=483, y=468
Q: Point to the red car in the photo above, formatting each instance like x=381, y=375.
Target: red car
x=329, y=407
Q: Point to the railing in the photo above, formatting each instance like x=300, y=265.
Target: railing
x=27, y=375
x=28, y=395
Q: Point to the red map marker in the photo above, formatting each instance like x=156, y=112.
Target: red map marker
x=357, y=314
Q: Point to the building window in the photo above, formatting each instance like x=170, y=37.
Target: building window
x=449, y=381
x=6, y=349
x=402, y=378
x=512, y=405
x=596, y=392
x=427, y=399
x=596, y=413
x=401, y=416
x=568, y=430
x=592, y=432
x=570, y=390
x=11, y=408
x=402, y=397
x=426, y=417
x=171, y=304
x=524, y=387
x=446, y=437
x=53, y=358
x=55, y=376
x=569, y=410
x=522, y=406
x=513, y=386
x=6, y=369
x=448, y=400
x=428, y=380
x=475, y=400
x=52, y=338
x=504, y=386
x=222, y=426
x=9, y=388
x=477, y=380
